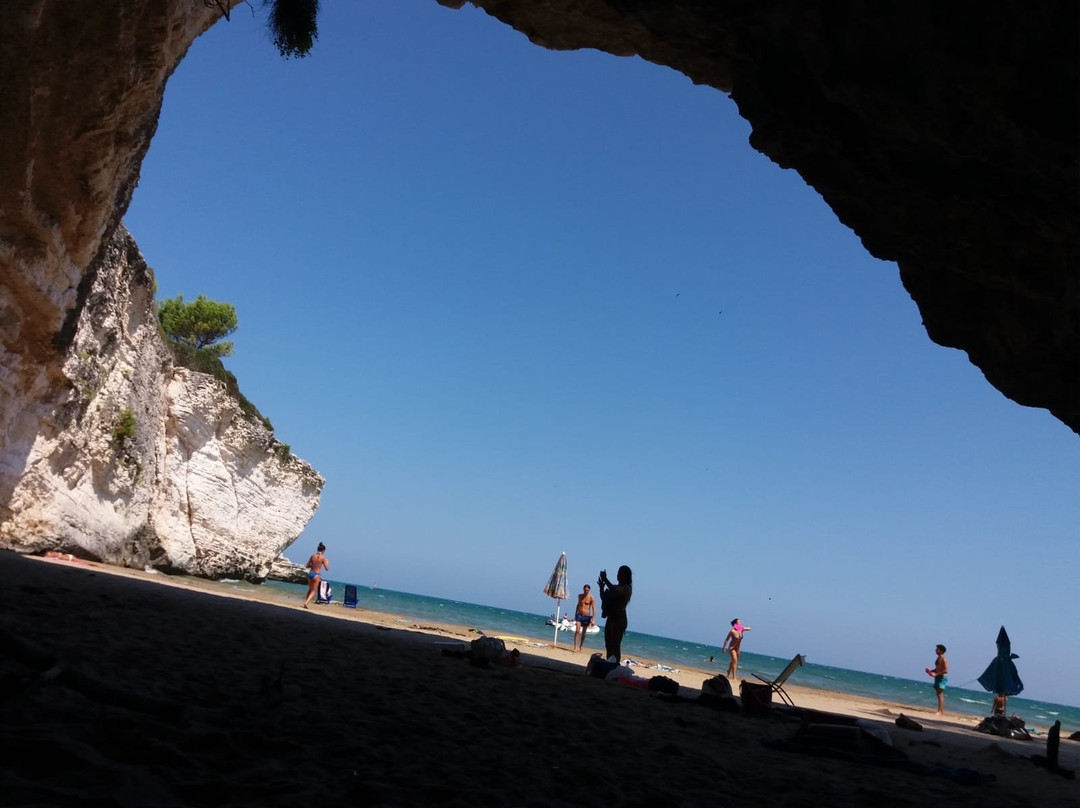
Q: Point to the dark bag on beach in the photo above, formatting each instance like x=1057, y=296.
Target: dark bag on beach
x=1005, y=727
x=904, y=722
x=599, y=667
x=488, y=649
x=717, y=686
x=662, y=684
x=716, y=695
x=756, y=699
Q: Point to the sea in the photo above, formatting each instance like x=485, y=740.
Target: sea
x=675, y=653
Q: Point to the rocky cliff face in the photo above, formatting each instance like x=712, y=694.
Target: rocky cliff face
x=193, y=487
x=81, y=86
x=142, y=462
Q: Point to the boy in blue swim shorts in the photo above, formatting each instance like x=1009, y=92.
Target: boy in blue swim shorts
x=940, y=672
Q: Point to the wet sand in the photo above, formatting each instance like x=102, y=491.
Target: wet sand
x=126, y=688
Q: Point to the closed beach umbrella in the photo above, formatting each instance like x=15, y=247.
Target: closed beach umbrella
x=556, y=588
x=1001, y=676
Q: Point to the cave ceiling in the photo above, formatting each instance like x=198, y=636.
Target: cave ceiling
x=944, y=134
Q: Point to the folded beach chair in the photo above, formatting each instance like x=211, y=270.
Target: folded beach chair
x=777, y=685
x=326, y=592
x=350, y=597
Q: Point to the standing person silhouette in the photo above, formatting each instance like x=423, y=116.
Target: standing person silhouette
x=315, y=565
x=940, y=672
x=732, y=643
x=614, y=599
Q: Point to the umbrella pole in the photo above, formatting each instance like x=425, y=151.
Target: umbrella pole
x=555, y=641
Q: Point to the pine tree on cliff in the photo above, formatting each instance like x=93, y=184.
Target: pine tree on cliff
x=194, y=332
x=200, y=325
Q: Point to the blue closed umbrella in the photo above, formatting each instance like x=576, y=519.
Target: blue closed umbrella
x=556, y=588
x=1001, y=675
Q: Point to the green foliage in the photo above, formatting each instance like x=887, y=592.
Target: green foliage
x=294, y=25
x=284, y=451
x=207, y=362
x=199, y=325
x=124, y=427
x=191, y=331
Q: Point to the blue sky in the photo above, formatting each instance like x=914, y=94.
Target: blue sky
x=513, y=302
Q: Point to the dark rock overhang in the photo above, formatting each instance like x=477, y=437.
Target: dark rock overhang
x=946, y=135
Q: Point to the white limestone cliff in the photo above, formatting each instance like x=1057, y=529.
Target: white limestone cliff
x=140, y=462
x=81, y=86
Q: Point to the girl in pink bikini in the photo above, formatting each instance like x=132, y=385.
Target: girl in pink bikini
x=732, y=642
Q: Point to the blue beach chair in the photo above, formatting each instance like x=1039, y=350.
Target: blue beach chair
x=325, y=593
x=350, y=597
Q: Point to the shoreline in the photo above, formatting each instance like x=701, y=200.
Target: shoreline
x=371, y=702
x=689, y=677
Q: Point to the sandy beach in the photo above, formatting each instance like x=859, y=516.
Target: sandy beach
x=131, y=689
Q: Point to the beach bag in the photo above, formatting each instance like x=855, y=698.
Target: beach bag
x=716, y=695
x=1012, y=727
x=600, y=667
x=718, y=687
x=756, y=699
x=904, y=722
x=621, y=672
x=488, y=649
x=662, y=684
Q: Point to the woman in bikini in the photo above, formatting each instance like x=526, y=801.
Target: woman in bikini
x=614, y=599
x=732, y=642
x=315, y=565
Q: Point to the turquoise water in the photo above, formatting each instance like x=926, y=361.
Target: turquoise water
x=684, y=654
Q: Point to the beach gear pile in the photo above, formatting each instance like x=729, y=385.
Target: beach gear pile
x=716, y=695
x=486, y=651
x=1006, y=727
x=623, y=675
